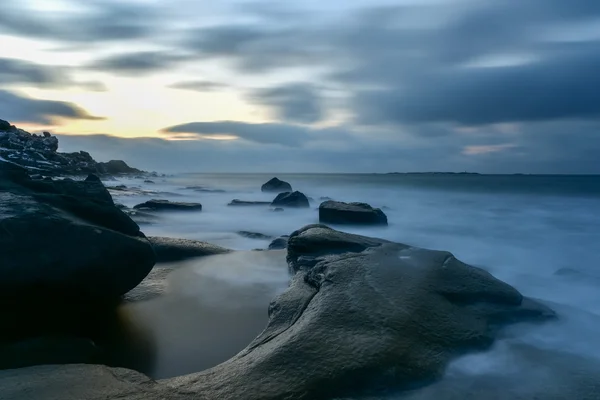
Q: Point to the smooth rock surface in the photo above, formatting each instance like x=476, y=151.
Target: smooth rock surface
x=279, y=244
x=276, y=185
x=254, y=235
x=166, y=205
x=337, y=212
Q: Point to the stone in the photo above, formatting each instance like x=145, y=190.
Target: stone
x=115, y=167
x=93, y=178
x=277, y=209
x=291, y=199
x=337, y=212
x=276, y=185
x=173, y=249
x=148, y=181
x=360, y=315
x=5, y=126
x=242, y=203
x=166, y=205
x=279, y=244
x=66, y=238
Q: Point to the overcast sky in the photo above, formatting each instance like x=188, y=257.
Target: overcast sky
x=498, y=86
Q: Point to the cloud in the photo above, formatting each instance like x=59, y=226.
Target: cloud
x=199, y=86
x=15, y=72
x=268, y=133
x=16, y=108
x=137, y=63
x=296, y=102
x=100, y=21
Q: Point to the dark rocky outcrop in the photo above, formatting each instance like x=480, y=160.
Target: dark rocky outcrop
x=277, y=186
x=254, y=235
x=116, y=167
x=242, y=203
x=337, y=212
x=66, y=238
x=39, y=154
x=360, y=314
x=166, y=205
x=291, y=199
x=173, y=249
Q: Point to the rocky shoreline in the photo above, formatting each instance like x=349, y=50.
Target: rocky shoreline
x=361, y=315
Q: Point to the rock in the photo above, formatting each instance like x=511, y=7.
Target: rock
x=325, y=198
x=172, y=249
x=117, y=167
x=5, y=126
x=360, y=314
x=291, y=199
x=36, y=177
x=66, y=238
x=48, y=350
x=148, y=181
x=166, y=205
x=118, y=187
x=92, y=178
x=337, y=212
x=236, y=202
x=279, y=244
x=277, y=209
x=203, y=189
x=276, y=185
x=254, y=235
x=39, y=154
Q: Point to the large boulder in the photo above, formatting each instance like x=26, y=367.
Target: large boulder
x=166, y=205
x=277, y=186
x=174, y=249
x=66, y=238
x=360, y=314
x=337, y=212
x=291, y=199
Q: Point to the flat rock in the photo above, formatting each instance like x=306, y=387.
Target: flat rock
x=242, y=203
x=276, y=185
x=291, y=199
x=173, y=249
x=166, y=205
x=337, y=212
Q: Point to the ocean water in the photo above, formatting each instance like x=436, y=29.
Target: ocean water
x=540, y=234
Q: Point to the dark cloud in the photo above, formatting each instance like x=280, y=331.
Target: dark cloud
x=287, y=135
x=137, y=63
x=14, y=72
x=297, y=102
x=101, y=22
x=17, y=109
x=199, y=86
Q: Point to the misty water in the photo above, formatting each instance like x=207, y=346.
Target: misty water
x=539, y=234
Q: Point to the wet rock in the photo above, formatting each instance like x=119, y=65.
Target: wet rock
x=279, y=244
x=173, y=249
x=243, y=203
x=254, y=235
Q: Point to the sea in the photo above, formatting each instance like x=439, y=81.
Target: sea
x=539, y=233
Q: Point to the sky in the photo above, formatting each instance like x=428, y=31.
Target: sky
x=490, y=86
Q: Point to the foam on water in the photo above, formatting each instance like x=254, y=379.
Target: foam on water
x=539, y=235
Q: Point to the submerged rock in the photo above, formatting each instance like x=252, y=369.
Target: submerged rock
x=276, y=185
x=291, y=199
x=166, y=205
x=337, y=212
x=237, y=202
x=173, y=249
